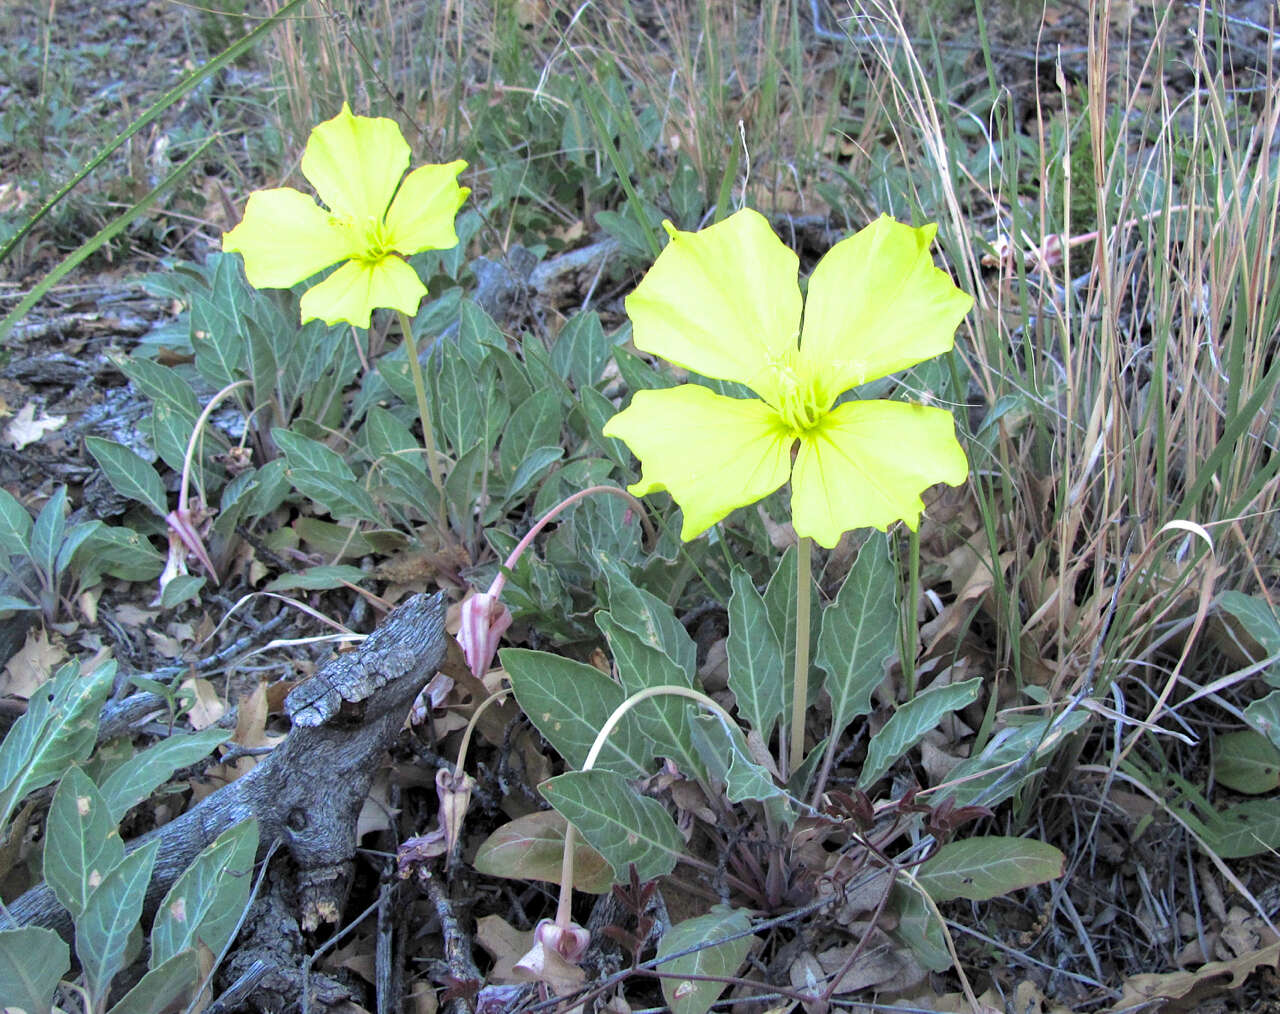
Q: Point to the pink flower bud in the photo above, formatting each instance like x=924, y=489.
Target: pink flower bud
x=484, y=620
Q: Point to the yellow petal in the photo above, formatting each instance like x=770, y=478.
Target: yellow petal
x=866, y=464
x=421, y=216
x=358, y=288
x=285, y=237
x=712, y=454
x=876, y=305
x=723, y=302
x=355, y=163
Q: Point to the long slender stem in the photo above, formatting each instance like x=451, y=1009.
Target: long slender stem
x=563, y=911
x=910, y=618
x=424, y=413
x=800, y=682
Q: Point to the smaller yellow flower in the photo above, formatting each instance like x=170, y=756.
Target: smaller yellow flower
x=374, y=219
x=724, y=302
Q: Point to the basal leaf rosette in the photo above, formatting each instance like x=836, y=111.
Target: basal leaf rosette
x=725, y=302
x=373, y=217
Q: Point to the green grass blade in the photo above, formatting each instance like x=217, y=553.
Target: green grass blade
x=184, y=86
x=103, y=235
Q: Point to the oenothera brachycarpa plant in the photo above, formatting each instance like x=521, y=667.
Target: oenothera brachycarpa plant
x=724, y=304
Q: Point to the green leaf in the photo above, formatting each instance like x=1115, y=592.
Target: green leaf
x=909, y=724
x=131, y=476
x=32, y=962
x=47, y=533
x=161, y=384
x=340, y=495
x=755, y=657
x=1012, y=756
x=59, y=729
x=919, y=928
x=532, y=848
x=15, y=526
x=1264, y=715
x=181, y=588
x=110, y=917
x=1247, y=762
x=724, y=751
x=1240, y=831
x=205, y=903
x=170, y=430
x=120, y=552
x=270, y=488
x=303, y=452
x=81, y=843
x=663, y=720
x=139, y=776
x=532, y=469
x=477, y=333
x=10, y=603
x=780, y=600
x=1260, y=623
x=581, y=350
x=569, y=702
x=982, y=868
x=156, y=991
x=459, y=405
x=335, y=575
x=619, y=823
x=74, y=538
x=713, y=953
x=859, y=635
x=648, y=617
x=535, y=423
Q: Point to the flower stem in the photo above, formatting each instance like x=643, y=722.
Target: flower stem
x=563, y=913
x=800, y=682
x=424, y=414
x=909, y=629
x=500, y=581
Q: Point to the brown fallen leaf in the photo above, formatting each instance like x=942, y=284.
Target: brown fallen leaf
x=32, y=665
x=1184, y=990
x=506, y=945
x=27, y=429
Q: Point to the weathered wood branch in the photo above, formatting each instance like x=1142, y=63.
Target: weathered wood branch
x=307, y=794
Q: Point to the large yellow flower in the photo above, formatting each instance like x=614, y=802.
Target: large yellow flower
x=724, y=302
x=356, y=164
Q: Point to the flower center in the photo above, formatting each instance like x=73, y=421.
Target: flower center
x=371, y=237
x=796, y=401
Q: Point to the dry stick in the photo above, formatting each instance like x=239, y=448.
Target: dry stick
x=457, y=946
x=309, y=792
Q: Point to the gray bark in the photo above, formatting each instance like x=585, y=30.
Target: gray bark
x=307, y=794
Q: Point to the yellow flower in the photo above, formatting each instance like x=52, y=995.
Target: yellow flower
x=356, y=164
x=724, y=302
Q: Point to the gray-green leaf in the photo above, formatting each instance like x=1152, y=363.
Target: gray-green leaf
x=131, y=476
x=569, y=702
x=911, y=722
x=139, y=776
x=102, y=933
x=59, y=729
x=619, y=823
x=755, y=657
x=859, y=635
x=206, y=902
x=720, y=944
x=32, y=962
x=81, y=843
x=982, y=868
x=159, y=988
